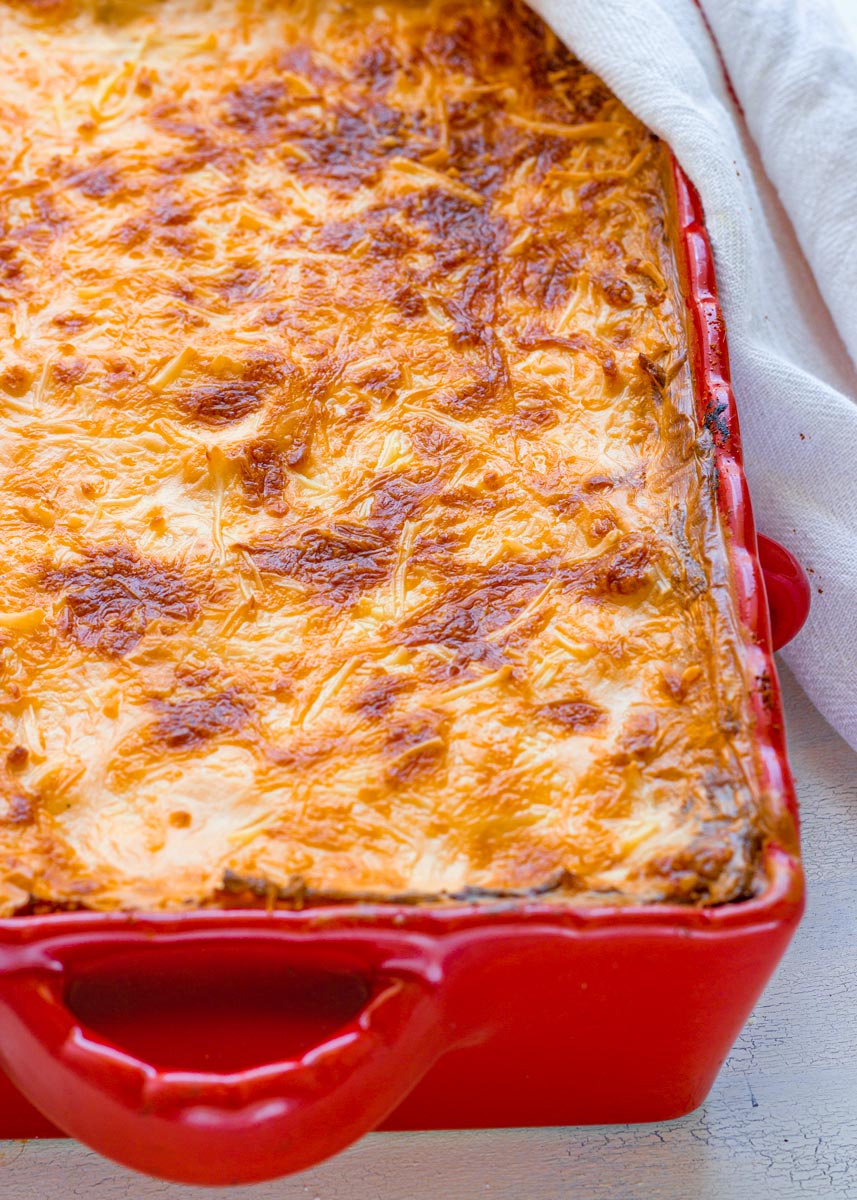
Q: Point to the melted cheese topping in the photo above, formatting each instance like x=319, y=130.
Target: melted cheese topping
x=358, y=536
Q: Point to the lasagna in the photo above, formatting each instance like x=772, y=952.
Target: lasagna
x=360, y=539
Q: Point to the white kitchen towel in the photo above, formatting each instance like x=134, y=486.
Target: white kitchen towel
x=779, y=188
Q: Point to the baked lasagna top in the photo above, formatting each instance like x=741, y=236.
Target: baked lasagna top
x=359, y=538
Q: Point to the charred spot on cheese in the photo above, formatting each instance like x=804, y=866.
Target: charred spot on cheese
x=217, y=404
x=470, y=497
x=638, y=739
x=114, y=594
x=185, y=724
x=351, y=148
x=44, y=221
x=460, y=231
x=415, y=746
x=15, y=380
x=242, y=284
x=534, y=418
x=70, y=371
x=17, y=807
x=599, y=483
x=180, y=120
x=335, y=564
x=341, y=149
x=379, y=695
x=409, y=301
x=169, y=209
x=297, y=402
x=303, y=753
x=382, y=382
x=572, y=714
x=478, y=600
x=17, y=757
x=601, y=524
x=260, y=110
x=376, y=66
x=617, y=291
x=12, y=273
x=474, y=605
x=71, y=322
x=131, y=233
x=191, y=675
x=397, y=497
x=263, y=474
x=436, y=442
x=456, y=46
x=236, y=390
x=340, y=237
x=97, y=182
x=546, y=269
x=466, y=399
x=623, y=572
x=388, y=246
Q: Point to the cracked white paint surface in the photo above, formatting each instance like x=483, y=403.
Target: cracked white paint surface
x=780, y=1123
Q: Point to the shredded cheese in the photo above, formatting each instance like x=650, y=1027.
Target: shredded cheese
x=355, y=527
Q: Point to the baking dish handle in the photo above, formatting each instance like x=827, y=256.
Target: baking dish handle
x=787, y=588
x=198, y=1128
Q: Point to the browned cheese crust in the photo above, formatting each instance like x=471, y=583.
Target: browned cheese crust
x=358, y=537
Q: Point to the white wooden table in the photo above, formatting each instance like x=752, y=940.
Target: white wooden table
x=780, y=1123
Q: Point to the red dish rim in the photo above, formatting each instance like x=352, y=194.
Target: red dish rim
x=784, y=891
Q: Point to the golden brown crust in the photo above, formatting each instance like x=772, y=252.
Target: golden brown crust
x=358, y=537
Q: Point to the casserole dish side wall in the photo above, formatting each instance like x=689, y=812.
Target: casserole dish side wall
x=531, y=1013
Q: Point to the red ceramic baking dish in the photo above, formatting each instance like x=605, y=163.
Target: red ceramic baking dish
x=223, y=1047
